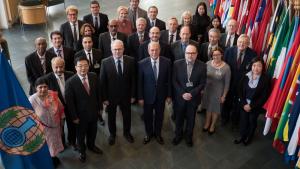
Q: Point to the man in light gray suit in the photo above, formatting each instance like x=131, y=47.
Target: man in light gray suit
x=135, y=12
x=178, y=47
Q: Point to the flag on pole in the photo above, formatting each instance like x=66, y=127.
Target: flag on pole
x=22, y=141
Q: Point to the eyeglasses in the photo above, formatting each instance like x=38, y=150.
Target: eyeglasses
x=190, y=53
x=113, y=26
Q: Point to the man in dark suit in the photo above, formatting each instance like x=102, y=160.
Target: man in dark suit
x=117, y=77
x=38, y=63
x=178, y=48
x=105, y=39
x=56, y=82
x=154, y=89
x=229, y=39
x=60, y=51
x=207, y=48
x=98, y=20
x=154, y=35
x=135, y=12
x=83, y=100
x=238, y=58
x=152, y=19
x=136, y=39
x=70, y=30
x=94, y=56
x=189, y=78
x=172, y=34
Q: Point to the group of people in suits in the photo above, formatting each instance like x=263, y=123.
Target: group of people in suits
x=151, y=67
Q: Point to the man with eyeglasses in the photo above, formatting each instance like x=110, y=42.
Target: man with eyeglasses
x=70, y=29
x=117, y=80
x=189, y=78
x=107, y=38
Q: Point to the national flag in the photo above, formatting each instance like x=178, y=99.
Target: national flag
x=22, y=141
x=244, y=15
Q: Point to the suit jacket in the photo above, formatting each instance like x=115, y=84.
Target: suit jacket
x=261, y=93
x=105, y=42
x=117, y=89
x=97, y=57
x=68, y=40
x=53, y=84
x=180, y=80
x=177, y=51
x=103, y=23
x=34, y=68
x=164, y=36
x=140, y=13
x=134, y=44
x=230, y=57
x=164, y=50
x=68, y=55
x=80, y=104
x=223, y=39
x=203, y=52
x=149, y=89
x=158, y=23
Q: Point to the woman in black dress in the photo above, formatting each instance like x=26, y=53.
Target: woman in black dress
x=201, y=21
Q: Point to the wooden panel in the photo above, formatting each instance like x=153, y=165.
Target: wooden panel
x=12, y=10
x=33, y=14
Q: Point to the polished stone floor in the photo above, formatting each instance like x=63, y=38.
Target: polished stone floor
x=209, y=152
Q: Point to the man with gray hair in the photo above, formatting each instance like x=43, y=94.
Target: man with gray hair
x=38, y=63
x=172, y=34
x=137, y=38
x=154, y=89
x=229, y=38
x=213, y=42
x=117, y=79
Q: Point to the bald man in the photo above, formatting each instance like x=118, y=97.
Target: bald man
x=38, y=63
x=154, y=89
x=56, y=82
x=105, y=39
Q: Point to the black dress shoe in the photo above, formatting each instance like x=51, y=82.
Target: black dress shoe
x=247, y=142
x=176, y=141
x=82, y=157
x=129, y=138
x=238, y=141
x=111, y=140
x=55, y=162
x=96, y=150
x=211, y=132
x=146, y=140
x=204, y=129
x=160, y=140
x=102, y=122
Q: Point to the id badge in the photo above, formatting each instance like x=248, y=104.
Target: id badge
x=189, y=84
x=97, y=66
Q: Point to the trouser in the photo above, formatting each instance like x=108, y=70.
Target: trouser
x=248, y=123
x=185, y=111
x=126, y=113
x=157, y=118
x=86, y=131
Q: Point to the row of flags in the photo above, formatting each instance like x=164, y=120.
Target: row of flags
x=275, y=36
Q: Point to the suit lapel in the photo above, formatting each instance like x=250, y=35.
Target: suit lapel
x=113, y=65
x=81, y=84
x=150, y=69
x=70, y=30
x=38, y=62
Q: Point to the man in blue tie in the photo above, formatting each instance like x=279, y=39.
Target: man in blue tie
x=154, y=89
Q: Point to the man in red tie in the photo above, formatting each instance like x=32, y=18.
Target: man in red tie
x=82, y=96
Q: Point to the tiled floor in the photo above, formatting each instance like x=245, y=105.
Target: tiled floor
x=209, y=152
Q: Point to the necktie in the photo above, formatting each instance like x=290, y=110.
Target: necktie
x=43, y=63
x=134, y=16
x=209, y=53
x=189, y=70
x=239, y=59
x=152, y=23
x=155, y=70
x=113, y=38
x=183, y=48
x=119, y=68
x=171, y=39
x=59, y=53
x=90, y=59
x=141, y=38
x=96, y=22
x=228, y=42
x=61, y=84
x=75, y=33
x=86, y=86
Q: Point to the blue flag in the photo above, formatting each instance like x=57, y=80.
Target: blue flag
x=22, y=142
